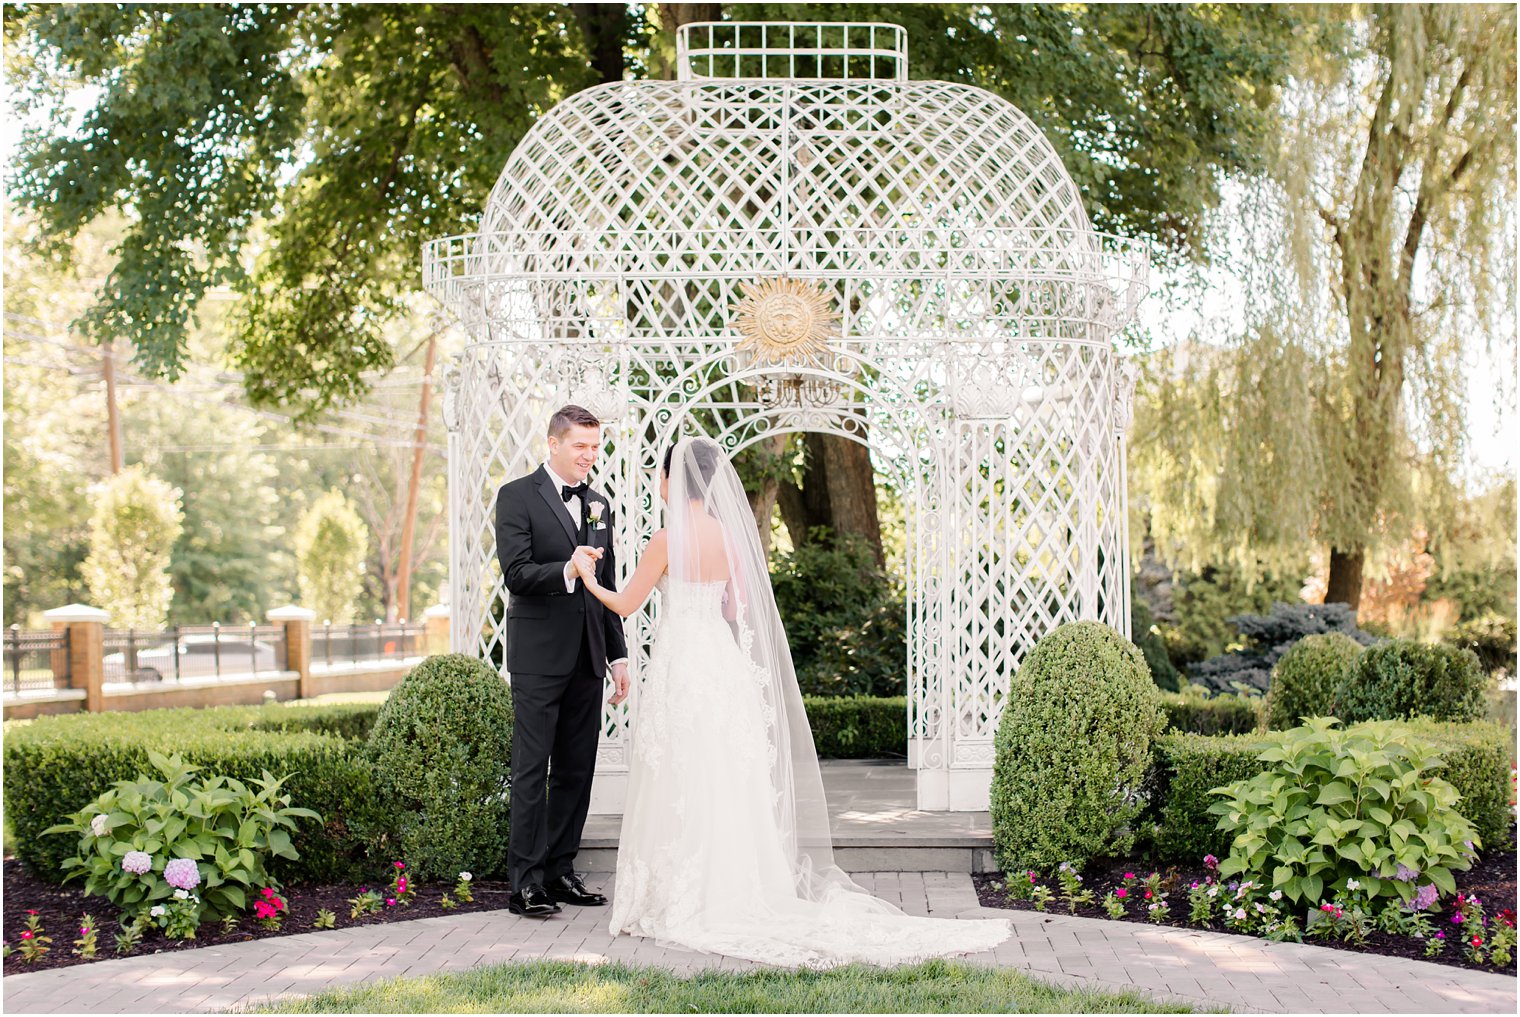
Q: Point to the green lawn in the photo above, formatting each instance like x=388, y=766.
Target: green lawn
x=564, y=987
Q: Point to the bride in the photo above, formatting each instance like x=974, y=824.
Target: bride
x=725, y=845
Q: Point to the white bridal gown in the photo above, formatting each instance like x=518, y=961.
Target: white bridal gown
x=703, y=860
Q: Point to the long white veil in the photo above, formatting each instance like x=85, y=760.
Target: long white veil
x=705, y=489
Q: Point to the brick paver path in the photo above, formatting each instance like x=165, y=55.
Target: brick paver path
x=1199, y=968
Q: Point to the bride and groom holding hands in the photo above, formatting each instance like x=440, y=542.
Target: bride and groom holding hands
x=725, y=844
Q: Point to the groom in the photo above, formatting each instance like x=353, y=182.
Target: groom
x=559, y=639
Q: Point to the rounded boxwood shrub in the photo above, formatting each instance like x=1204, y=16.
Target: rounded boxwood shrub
x=1072, y=749
x=1400, y=679
x=1305, y=679
x=442, y=753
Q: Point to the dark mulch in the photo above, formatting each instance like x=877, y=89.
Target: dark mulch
x=1492, y=879
x=60, y=907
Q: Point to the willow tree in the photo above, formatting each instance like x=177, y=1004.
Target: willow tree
x=1378, y=252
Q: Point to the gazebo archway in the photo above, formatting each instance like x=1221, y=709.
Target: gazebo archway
x=905, y=263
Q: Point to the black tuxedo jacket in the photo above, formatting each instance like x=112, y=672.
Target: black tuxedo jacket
x=535, y=537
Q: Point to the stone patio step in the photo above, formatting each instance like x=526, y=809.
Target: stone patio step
x=876, y=824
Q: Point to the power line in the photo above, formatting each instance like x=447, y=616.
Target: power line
x=275, y=448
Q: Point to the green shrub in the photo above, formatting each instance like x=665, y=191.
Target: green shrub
x=1195, y=711
x=225, y=828
x=442, y=752
x=352, y=721
x=858, y=727
x=1305, y=679
x=1401, y=678
x=1148, y=638
x=1072, y=749
x=1479, y=759
x=1492, y=637
x=1204, y=604
x=1186, y=766
x=1361, y=803
x=1266, y=638
x=845, y=618
x=54, y=766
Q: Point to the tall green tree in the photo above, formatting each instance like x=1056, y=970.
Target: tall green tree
x=1378, y=254
x=54, y=423
x=353, y=133
x=331, y=542
x=136, y=521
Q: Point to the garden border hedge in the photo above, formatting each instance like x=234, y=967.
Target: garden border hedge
x=1223, y=713
x=55, y=765
x=1185, y=766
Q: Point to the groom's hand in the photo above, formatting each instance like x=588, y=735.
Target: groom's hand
x=584, y=560
x=619, y=679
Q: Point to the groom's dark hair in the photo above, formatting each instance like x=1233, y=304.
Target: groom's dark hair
x=569, y=416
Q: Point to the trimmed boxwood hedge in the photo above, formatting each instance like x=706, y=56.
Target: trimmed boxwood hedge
x=1185, y=766
x=858, y=727
x=54, y=765
x=1226, y=713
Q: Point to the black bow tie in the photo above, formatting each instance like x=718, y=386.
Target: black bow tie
x=567, y=492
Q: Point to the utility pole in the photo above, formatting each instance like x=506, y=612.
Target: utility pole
x=409, y=521
x=113, y=418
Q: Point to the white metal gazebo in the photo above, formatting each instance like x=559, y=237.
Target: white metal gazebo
x=794, y=236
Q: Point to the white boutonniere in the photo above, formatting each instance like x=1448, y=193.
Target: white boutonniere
x=594, y=515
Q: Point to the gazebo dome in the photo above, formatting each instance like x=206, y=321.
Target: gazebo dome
x=807, y=177
x=680, y=155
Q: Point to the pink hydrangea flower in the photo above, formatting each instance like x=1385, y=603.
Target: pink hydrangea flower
x=137, y=862
x=182, y=873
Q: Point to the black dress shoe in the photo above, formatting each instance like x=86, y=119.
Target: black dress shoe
x=532, y=902
x=569, y=889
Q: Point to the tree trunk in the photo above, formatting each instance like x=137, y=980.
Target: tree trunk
x=852, y=491
x=1345, y=583
x=763, y=501
x=671, y=17
x=604, y=26
x=838, y=491
x=409, y=520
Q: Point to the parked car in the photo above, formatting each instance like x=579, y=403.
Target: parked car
x=198, y=656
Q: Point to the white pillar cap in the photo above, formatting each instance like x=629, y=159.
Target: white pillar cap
x=77, y=613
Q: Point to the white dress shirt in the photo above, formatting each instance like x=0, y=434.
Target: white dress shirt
x=573, y=507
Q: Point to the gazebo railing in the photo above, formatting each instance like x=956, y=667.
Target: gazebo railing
x=796, y=51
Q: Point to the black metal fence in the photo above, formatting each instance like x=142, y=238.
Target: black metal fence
x=37, y=660
x=193, y=651
x=339, y=645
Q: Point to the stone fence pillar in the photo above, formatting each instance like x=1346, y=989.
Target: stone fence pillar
x=86, y=627
x=297, y=622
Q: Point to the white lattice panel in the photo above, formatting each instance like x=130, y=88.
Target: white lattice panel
x=976, y=310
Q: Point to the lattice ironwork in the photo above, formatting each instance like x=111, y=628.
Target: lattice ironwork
x=969, y=307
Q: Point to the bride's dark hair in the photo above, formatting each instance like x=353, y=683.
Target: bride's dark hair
x=703, y=456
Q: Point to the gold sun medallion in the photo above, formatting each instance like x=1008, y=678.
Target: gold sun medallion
x=785, y=322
